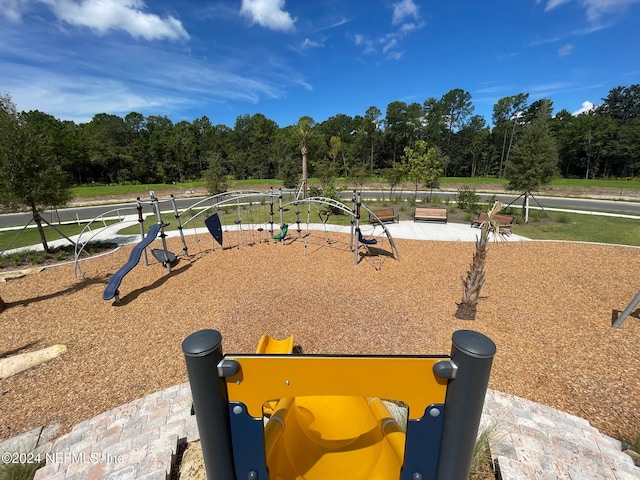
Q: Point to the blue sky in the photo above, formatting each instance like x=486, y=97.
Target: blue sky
x=289, y=58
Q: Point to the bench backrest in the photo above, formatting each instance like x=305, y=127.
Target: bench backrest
x=385, y=212
x=431, y=212
x=500, y=219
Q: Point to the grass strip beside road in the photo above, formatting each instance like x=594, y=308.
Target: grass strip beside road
x=583, y=228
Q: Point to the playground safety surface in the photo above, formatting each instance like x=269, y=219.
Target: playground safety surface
x=548, y=307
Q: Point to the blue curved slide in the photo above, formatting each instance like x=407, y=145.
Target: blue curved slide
x=115, y=281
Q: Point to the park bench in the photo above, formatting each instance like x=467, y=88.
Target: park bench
x=385, y=215
x=431, y=215
x=503, y=221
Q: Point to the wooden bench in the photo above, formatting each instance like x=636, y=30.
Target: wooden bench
x=503, y=221
x=431, y=215
x=385, y=215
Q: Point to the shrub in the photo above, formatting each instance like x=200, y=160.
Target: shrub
x=18, y=471
x=468, y=200
x=563, y=218
x=481, y=459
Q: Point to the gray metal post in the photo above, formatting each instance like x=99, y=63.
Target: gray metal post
x=176, y=215
x=163, y=236
x=472, y=353
x=357, y=228
x=202, y=353
x=627, y=311
x=141, y=223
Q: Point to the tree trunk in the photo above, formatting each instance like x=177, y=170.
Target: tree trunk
x=372, y=155
x=466, y=311
x=506, y=160
x=474, y=280
x=525, y=207
x=504, y=144
x=43, y=238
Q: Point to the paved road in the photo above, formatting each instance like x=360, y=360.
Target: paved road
x=88, y=213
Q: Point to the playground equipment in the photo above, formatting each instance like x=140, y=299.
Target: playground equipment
x=164, y=256
x=239, y=200
x=111, y=290
x=617, y=323
x=245, y=199
x=325, y=416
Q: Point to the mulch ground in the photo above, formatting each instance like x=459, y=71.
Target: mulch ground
x=548, y=307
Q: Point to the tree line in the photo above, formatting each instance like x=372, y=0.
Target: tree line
x=153, y=149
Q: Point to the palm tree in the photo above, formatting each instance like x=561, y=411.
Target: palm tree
x=472, y=283
x=305, y=126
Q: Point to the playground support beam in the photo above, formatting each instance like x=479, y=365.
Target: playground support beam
x=203, y=352
x=176, y=215
x=472, y=353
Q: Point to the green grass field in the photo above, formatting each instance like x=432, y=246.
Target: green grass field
x=133, y=190
x=584, y=228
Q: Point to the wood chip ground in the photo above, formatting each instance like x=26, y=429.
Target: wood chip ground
x=548, y=306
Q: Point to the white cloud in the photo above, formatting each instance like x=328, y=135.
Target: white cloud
x=566, y=50
x=308, y=43
x=12, y=9
x=268, y=13
x=404, y=9
x=102, y=16
x=391, y=44
x=595, y=9
x=587, y=106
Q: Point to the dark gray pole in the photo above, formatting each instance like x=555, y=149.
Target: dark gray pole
x=472, y=353
x=202, y=353
x=627, y=311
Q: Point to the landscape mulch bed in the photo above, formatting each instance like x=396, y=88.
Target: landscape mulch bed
x=548, y=306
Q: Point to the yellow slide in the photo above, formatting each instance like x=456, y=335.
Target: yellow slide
x=336, y=437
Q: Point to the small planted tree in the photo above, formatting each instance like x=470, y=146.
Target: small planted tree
x=534, y=160
x=394, y=176
x=423, y=166
x=30, y=174
x=474, y=280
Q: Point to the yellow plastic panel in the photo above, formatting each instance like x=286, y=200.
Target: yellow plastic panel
x=269, y=377
x=268, y=344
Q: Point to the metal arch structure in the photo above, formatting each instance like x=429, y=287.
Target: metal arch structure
x=223, y=199
x=87, y=230
x=201, y=207
x=394, y=248
x=355, y=218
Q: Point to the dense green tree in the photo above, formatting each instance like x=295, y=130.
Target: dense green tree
x=622, y=103
x=456, y=108
x=473, y=140
x=371, y=128
x=30, y=174
x=506, y=117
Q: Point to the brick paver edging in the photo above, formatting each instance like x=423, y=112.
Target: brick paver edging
x=139, y=440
